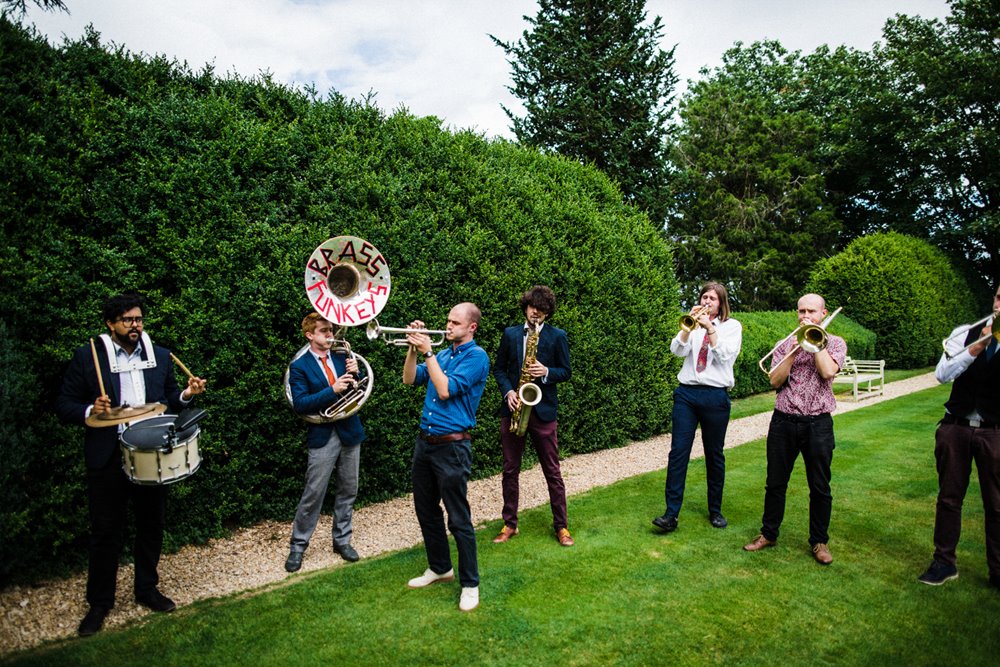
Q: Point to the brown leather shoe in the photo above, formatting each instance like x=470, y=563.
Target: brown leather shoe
x=505, y=534
x=759, y=542
x=822, y=554
x=565, y=539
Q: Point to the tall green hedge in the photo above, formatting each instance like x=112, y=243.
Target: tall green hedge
x=903, y=289
x=208, y=194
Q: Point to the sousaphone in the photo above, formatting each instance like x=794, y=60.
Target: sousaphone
x=347, y=282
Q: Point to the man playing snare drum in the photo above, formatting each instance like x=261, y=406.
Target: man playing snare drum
x=133, y=372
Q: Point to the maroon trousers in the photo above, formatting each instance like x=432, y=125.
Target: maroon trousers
x=543, y=437
x=956, y=446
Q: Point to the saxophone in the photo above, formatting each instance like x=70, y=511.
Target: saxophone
x=528, y=392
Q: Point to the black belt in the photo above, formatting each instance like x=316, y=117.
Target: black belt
x=803, y=419
x=974, y=423
x=447, y=437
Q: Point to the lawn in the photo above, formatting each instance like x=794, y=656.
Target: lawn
x=626, y=594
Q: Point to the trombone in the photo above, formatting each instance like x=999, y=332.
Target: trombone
x=810, y=337
x=689, y=322
x=397, y=336
x=964, y=331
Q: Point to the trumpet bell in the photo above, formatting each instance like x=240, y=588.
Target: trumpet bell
x=397, y=336
x=347, y=280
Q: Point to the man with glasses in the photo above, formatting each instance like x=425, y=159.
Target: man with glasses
x=969, y=431
x=134, y=372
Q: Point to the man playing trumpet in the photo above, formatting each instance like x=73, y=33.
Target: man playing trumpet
x=969, y=431
x=801, y=422
x=317, y=379
x=709, y=341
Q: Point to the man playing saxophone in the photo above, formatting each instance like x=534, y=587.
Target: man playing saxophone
x=538, y=353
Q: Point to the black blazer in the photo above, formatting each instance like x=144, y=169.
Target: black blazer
x=553, y=351
x=80, y=390
x=311, y=392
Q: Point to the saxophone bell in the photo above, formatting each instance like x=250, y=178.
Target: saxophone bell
x=530, y=395
x=528, y=392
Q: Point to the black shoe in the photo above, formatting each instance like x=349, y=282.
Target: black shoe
x=294, y=561
x=92, y=622
x=938, y=573
x=347, y=552
x=667, y=524
x=156, y=601
x=717, y=520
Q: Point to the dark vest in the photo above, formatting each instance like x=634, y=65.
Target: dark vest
x=978, y=388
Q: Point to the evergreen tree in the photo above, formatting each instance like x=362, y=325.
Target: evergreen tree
x=596, y=87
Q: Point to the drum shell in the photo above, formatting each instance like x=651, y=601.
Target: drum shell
x=147, y=457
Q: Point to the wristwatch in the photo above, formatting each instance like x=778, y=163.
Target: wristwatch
x=428, y=354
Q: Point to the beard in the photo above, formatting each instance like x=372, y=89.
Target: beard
x=128, y=340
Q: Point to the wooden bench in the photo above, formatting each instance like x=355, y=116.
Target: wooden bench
x=867, y=376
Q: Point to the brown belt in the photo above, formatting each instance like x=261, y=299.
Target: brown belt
x=447, y=437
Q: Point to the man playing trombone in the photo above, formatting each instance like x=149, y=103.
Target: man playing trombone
x=317, y=379
x=970, y=430
x=802, y=373
x=709, y=341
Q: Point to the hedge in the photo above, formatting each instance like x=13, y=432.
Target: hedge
x=902, y=288
x=207, y=194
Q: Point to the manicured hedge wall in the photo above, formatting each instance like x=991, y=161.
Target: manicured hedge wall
x=902, y=288
x=208, y=195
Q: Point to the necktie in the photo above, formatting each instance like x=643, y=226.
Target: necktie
x=991, y=349
x=329, y=373
x=703, y=354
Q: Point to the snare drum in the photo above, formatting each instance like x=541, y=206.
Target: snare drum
x=152, y=453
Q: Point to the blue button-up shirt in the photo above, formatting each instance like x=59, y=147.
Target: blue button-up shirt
x=467, y=368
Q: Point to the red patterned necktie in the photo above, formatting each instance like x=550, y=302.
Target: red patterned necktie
x=703, y=354
x=329, y=373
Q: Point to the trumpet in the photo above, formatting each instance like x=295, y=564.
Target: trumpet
x=689, y=322
x=397, y=336
x=810, y=337
x=994, y=334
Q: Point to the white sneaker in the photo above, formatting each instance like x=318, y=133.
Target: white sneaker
x=469, y=599
x=430, y=577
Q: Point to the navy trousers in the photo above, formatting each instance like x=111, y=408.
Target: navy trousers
x=710, y=407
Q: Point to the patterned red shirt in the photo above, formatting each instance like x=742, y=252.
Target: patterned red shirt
x=806, y=392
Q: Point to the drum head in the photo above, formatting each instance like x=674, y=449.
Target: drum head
x=151, y=433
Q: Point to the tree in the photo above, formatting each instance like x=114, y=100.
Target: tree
x=749, y=200
x=596, y=87
x=932, y=134
x=19, y=7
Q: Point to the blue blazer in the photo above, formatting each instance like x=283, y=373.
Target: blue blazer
x=553, y=351
x=80, y=390
x=311, y=392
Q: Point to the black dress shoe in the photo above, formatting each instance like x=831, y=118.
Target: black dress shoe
x=294, y=561
x=92, y=622
x=667, y=524
x=156, y=601
x=347, y=552
x=717, y=520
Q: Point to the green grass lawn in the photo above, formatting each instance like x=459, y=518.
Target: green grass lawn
x=626, y=594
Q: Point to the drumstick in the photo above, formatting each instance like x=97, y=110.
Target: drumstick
x=183, y=367
x=97, y=365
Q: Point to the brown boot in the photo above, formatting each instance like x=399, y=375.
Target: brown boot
x=822, y=554
x=759, y=542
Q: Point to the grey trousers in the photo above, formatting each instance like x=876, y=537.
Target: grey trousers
x=322, y=462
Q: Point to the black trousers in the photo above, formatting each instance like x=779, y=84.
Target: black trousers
x=109, y=492
x=787, y=436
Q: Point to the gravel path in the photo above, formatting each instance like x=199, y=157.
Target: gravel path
x=254, y=557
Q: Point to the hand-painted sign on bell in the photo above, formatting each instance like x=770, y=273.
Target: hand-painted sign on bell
x=347, y=281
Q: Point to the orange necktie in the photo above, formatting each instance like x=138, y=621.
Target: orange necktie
x=329, y=373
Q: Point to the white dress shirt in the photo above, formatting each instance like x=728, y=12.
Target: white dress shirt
x=721, y=358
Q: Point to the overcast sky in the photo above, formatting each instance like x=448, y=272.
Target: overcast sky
x=435, y=57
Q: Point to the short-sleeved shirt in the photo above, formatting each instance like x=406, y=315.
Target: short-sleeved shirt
x=806, y=392
x=467, y=368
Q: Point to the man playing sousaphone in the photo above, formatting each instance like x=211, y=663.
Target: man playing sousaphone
x=709, y=341
x=318, y=379
x=132, y=373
